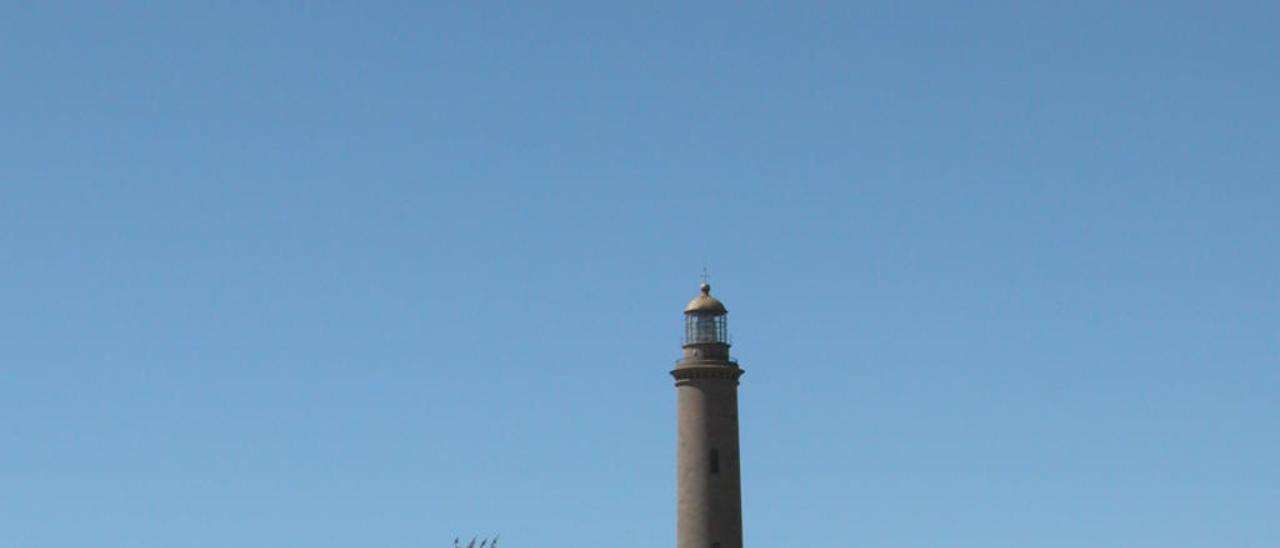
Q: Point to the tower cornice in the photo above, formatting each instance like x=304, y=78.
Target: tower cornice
x=685, y=371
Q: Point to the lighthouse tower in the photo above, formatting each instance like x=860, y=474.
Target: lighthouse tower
x=708, y=480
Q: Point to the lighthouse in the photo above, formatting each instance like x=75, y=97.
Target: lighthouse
x=708, y=469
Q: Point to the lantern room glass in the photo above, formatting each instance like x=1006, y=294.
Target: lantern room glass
x=706, y=328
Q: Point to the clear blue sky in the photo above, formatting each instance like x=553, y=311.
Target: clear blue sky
x=383, y=274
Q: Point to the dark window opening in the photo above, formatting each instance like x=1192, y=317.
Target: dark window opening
x=715, y=461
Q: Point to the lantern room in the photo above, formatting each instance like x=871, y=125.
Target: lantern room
x=705, y=320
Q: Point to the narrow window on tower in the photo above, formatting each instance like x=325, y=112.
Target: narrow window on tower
x=715, y=461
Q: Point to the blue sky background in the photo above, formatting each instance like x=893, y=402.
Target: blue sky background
x=380, y=275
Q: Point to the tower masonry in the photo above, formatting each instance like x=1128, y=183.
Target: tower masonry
x=708, y=476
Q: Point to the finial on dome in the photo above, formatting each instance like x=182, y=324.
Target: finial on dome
x=705, y=287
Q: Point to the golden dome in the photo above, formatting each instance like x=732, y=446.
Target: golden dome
x=705, y=303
